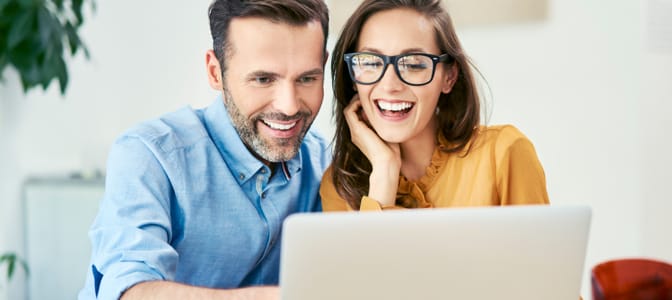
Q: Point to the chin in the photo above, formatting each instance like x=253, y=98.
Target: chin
x=392, y=137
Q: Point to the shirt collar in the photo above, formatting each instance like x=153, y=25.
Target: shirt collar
x=242, y=163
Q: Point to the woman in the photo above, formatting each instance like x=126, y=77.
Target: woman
x=409, y=134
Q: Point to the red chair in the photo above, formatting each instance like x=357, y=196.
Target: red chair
x=632, y=279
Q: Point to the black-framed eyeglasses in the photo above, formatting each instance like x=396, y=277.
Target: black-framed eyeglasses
x=412, y=68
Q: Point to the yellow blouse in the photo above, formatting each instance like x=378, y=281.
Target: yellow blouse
x=501, y=168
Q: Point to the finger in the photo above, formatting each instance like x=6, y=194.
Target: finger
x=353, y=106
x=351, y=113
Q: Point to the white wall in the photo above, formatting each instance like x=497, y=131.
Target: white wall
x=583, y=85
x=587, y=90
x=655, y=146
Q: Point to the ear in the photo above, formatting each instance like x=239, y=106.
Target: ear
x=214, y=71
x=450, y=79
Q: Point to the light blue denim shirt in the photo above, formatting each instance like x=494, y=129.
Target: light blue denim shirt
x=186, y=201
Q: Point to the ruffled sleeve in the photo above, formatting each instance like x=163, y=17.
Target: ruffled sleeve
x=410, y=195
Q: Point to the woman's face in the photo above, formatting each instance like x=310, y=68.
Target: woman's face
x=399, y=112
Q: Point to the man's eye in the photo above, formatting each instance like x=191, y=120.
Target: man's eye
x=307, y=79
x=263, y=80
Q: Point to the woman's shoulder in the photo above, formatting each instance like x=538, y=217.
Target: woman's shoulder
x=498, y=139
x=501, y=133
x=327, y=176
x=505, y=134
x=331, y=200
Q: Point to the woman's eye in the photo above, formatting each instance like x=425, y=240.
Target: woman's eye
x=419, y=66
x=372, y=64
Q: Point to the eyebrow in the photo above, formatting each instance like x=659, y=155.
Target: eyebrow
x=262, y=74
x=313, y=72
x=408, y=50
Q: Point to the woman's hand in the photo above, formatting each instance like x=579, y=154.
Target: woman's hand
x=385, y=157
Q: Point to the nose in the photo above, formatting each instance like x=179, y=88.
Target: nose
x=390, y=81
x=287, y=100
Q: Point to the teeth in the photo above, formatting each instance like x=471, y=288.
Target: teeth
x=394, y=106
x=279, y=126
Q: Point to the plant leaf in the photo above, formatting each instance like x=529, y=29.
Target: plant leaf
x=10, y=267
x=33, y=38
x=3, y=62
x=8, y=11
x=62, y=73
x=32, y=76
x=29, y=3
x=21, y=29
x=3, y=3
x=10, y=259
x=59, y=4
x=46, y=25
x=4, y=257
x=73, y=40
x=23, y=56
x=77, y=10
x=45, y=73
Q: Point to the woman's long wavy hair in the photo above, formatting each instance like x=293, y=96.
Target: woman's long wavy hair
x=459, y=110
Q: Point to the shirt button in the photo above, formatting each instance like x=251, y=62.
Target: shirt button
x=263, y=171
x=241, y=176
x=263, y=195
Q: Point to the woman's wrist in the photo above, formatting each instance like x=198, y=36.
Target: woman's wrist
x=383, y=184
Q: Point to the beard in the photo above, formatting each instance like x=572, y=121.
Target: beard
x=267, y=148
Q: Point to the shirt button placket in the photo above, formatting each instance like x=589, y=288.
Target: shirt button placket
x=262, y=193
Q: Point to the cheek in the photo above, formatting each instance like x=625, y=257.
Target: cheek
x=312, y=98
x=364, y=93
x=430, y=95
x=364, y=89
x=250, y=101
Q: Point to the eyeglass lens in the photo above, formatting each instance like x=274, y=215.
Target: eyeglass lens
x=412, y=68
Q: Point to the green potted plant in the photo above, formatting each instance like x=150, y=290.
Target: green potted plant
x=35, y=38
x=11, y=260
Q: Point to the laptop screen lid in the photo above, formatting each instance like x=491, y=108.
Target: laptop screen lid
x=510, y=252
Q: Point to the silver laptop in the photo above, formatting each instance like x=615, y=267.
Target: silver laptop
x=512, y=252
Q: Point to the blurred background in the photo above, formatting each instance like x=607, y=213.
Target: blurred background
x=588, y=81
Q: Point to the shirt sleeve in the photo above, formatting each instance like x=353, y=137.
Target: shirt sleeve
x=520, y=176
x=369, y=204
x=130, y=236
x=332, y=201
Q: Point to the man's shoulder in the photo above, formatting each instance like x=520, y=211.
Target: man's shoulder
x=317, y=149
x=315, y=139
x=170, y=131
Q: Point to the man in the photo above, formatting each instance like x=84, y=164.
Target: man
x=195, y=200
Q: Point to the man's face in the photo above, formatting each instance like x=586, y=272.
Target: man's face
x=273, y=85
